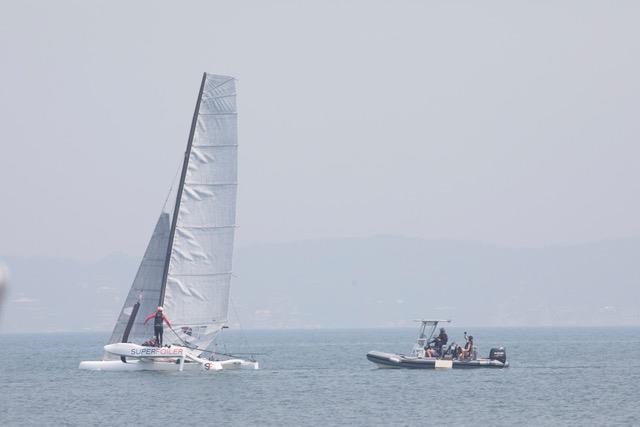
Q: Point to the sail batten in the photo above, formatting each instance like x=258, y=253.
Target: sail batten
x=210, y=184
x=187, y=266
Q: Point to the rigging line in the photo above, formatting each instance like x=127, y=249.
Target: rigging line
x=203, y=350
x=221, y=341
x=175, y=176
x=244, y=338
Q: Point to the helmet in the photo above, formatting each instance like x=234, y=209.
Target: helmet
x=441, y=329
x=159, y=308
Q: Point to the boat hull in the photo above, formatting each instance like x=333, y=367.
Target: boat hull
x=152, y=365
x=389, y=360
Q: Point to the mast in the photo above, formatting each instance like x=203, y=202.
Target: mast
x=176, y=209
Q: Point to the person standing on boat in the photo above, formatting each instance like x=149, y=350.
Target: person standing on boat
x=158, y=324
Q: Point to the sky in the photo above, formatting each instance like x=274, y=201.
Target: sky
x=513, y=123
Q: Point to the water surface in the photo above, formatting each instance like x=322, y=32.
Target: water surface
x=321, y=377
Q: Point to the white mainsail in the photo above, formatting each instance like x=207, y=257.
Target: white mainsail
x=187, y=264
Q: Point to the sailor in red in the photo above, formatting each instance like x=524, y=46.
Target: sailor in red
x=158, y=317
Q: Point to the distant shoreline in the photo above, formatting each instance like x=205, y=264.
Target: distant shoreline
x=381, y=328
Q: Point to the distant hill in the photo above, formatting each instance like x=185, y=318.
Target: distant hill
x=377, y=281
x=50, y=294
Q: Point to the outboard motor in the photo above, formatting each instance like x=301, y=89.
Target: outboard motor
x=498, y=354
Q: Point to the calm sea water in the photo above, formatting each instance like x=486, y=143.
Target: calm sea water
x=321, y=377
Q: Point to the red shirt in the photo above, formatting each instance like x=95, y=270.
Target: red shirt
x=152, y=315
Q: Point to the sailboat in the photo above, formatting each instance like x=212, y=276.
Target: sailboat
x=186, y=268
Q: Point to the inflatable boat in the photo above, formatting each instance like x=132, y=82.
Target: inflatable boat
x=422, y=356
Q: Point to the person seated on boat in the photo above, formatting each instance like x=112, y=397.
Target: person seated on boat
x=158, y=327
x=151, y=342
x=449, y=352
x=435, y=345
x=430, y=351
x=440, y=341
x=468, y=347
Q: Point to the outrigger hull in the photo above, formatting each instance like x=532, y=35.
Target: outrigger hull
x=148, y=365
x=389, y=360
x=135, y=357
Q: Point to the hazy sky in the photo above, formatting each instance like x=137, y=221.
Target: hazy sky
x=510, y=122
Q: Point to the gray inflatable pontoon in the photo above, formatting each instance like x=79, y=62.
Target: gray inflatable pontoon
x=448, y=359
x=389, y=360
